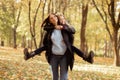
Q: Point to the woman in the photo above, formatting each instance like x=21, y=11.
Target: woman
x=58, y=46
x=57, y=50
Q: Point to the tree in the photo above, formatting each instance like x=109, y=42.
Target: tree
x=15, y=22
x=33, y=24
x=41, y=28
x=115, y=22
x=83, y=45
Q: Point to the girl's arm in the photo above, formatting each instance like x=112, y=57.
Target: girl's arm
x=70, y=29
x=39, y=50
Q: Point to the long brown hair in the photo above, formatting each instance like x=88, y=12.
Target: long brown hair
x=47, y=21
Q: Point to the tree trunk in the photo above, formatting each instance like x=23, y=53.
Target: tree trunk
x=2, y=43
x=29, y=44
x=95, y=43
x=23, y=41
x=49, y=6
x=106, y=49
x=14, y=38
x=64, y=6
x=116, y=56
x=83, y=27
x=116, y=25
x=53, y=6
x=16, y=23
x=41, y=29
x=32, y=25
x=119, y=46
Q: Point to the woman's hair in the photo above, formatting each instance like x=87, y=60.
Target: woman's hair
x=47, y=20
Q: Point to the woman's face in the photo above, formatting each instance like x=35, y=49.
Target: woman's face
x=53, y=19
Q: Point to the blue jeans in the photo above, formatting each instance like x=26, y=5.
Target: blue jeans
x=56, y=62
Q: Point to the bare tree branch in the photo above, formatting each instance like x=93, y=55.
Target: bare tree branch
x=18, y=17
x=30, y=18
x=98, y=10
x=32, y=30
x=43, y=10
x=36, y=17
x=104, y=19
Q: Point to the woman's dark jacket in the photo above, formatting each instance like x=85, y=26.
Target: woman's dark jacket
x=68, y=39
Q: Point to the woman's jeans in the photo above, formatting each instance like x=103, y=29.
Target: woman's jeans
x=56, y=62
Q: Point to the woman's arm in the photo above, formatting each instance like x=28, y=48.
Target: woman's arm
x=48, y=27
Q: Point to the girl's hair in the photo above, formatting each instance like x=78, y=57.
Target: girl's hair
x=59, y=15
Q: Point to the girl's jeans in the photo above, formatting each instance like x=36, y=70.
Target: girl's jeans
x=56, y=62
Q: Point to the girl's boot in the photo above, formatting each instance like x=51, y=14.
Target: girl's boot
x=28, y=55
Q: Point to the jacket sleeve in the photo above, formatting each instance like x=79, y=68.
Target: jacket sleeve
x=48, y=27
x=69, y=29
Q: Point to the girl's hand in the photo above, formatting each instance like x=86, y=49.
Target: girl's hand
x=59, y=27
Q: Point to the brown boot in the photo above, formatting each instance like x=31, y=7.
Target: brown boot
x=90, y=57
x=27, y=55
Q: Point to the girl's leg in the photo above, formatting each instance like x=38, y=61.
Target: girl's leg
x=77, y=51
x=63, y=69
x=28, y=55
x=39, y=50
x=88, y=58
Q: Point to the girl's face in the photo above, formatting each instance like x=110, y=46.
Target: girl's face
x=62, y=19
x=53, y=19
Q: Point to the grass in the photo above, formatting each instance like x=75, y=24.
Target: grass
x=13, y=67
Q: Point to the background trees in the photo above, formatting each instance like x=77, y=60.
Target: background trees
x=109, y=15
x=96, y=23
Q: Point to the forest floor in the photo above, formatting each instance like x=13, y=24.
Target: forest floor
x=14, y=67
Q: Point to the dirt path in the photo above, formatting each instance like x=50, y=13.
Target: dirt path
x=98, y=68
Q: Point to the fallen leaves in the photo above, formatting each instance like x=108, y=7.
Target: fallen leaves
x=14, y=67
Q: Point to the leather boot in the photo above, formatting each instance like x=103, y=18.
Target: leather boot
x=90, y=57
x=28, y=55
